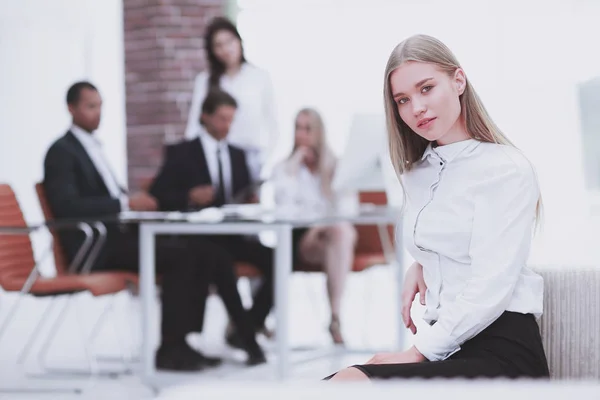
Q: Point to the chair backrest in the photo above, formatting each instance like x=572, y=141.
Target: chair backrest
x=60, y=260
x=16, y=252
x=570, y=325
x=368, y=241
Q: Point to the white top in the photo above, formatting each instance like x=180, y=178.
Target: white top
x=93, y=148
x=212, y=147
x=254, y=127
x=469, y=219
x=297, y=189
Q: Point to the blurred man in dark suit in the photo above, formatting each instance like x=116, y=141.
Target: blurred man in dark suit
x=80, y=184
x=209, y=172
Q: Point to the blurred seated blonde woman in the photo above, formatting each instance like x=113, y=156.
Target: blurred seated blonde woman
x=302, y=183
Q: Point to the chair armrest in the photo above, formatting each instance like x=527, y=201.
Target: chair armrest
x=52, y=224
x=95, y=251
x=58, y=225
x=88, y=247
x=19, y=230
x=87, y=226
x=83, y=226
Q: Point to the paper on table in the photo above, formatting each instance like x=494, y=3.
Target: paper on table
x=248, y=211
x=210, y=214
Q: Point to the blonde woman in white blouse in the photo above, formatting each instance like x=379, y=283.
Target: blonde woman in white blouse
x=254, y=128
x=472, y=200
x=303, y=185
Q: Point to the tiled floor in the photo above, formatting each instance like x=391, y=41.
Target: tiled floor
x=369, y=316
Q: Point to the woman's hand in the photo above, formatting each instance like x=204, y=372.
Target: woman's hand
x=300, y=154
x=411, y=355
x=305, y=155
x=413, y=284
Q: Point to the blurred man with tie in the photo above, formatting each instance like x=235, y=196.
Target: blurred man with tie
x=209, y=172
x=79, y=184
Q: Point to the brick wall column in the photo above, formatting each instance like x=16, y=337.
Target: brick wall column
x=164, y=50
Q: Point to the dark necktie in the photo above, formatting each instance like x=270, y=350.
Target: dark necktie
x=220, y=195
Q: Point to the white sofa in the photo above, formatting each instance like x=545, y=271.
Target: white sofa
x=570, y=326
x=441, y=389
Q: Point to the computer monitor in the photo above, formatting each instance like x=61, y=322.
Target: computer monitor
x=365, y=164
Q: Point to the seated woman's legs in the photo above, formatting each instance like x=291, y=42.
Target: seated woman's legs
x=332, y=247
x=511, y=347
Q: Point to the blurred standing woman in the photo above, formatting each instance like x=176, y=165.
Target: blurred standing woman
x=254, y=128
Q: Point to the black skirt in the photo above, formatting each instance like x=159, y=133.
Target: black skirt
x=511, y=347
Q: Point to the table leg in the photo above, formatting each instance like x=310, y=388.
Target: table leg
x=283, y=270
x=147, y=296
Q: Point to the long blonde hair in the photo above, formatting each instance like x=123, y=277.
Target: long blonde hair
x=326, y=159
x=406, y=146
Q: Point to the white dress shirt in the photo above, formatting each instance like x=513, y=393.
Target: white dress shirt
x=211, y=147
x=469, y=223
x=254, y=127
x=93, y=148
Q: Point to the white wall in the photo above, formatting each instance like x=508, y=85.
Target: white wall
x=525, y=59
x=589, y=95
x=45, y=47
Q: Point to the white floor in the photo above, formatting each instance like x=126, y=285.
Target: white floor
x=369, y=317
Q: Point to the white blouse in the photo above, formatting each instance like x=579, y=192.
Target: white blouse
x=255, y=124
x=298, y=190
x=469, y=222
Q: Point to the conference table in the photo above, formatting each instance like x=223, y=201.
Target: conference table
x=245, y=220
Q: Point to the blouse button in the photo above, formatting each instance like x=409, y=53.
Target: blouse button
x=441, y=163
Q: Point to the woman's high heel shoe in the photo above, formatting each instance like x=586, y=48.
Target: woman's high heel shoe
x=336, y=331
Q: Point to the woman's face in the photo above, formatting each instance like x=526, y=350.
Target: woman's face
x=305, y=134
x=427, y=100
x=227, y=48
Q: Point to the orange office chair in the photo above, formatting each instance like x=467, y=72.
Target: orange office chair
x=62, y=266
x=19, y=270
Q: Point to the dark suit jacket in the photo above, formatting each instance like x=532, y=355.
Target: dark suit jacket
x=185, y=167
x=75, y=189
